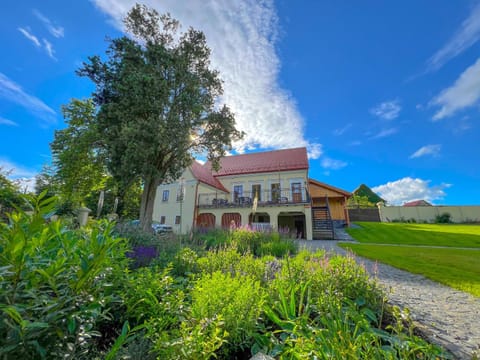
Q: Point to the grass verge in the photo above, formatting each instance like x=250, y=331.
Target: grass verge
x=457, y=268
x=450, y=235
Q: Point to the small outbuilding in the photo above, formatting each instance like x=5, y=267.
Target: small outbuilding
x=329, y=208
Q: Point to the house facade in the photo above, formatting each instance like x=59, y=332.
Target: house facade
x=268, y=190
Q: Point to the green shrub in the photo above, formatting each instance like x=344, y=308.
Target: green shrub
x=185, y=262
x=236, y=300
x=444, y=218
x=56, y=286
x=278, y=248
x=247, y=240
x=213, y=239
x=230, y=261
x=317, y=318
x=153, y=295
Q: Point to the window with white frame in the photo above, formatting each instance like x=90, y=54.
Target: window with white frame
x=165, y=195
x=237, y=192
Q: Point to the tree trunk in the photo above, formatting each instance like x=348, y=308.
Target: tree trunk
x=147, y=202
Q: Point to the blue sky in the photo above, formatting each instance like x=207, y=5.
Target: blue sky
x=386, y=93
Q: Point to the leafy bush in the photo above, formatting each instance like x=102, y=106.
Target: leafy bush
x=154, y=298
x=444, y=218
x=277, y=248
x=185, y=262
x=236, y=300
x=56, y=286
x=230, y=261
x=147, y=247
x=326, y=307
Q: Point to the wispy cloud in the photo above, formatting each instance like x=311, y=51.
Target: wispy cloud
x=47, y=45
x=384, y=133
x=8, y=122
x=387, y=110
x=467, y=35
x=464, y=93
x=247, y=61
x=341, y=131
x=55, y=30
x=13, y=92
x=355, y=143
x=27, y=33
x=433, y=150
x=24, y=177
x=328, y=163
x=49, y=49
x=408, y=189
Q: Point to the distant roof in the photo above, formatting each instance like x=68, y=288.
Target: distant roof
x=330, y=187
x=269, y=161
x=417, y=203
x=204, y=175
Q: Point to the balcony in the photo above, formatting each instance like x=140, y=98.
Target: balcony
x=279, y=197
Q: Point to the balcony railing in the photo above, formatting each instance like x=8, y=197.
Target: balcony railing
x=280, y=197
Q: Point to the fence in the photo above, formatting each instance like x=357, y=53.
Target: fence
x=458, y=214
x=364, y=215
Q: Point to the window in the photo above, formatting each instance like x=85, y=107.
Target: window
x=275, y=188
x=237, y=192
x=297, y=191
x=162, y=219
x=177, y=219
x=257, y=192
x=165, y=195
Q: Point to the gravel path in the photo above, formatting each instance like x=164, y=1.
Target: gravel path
x=448, y=317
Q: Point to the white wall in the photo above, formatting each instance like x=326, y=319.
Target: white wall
x=458, y=214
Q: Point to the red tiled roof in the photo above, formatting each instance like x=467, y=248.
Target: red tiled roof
x=417, y=203
x=204, y=175
x=269, y=161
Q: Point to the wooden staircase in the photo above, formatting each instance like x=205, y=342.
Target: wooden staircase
x=322, y=222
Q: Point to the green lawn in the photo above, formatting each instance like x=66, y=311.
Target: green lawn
x=458, y=268
x=451, y=235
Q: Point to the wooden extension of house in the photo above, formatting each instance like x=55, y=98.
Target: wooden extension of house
x=267, y=191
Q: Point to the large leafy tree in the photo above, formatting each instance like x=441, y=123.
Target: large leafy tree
x=79, y=172
x=79, y=166
x=157, y=103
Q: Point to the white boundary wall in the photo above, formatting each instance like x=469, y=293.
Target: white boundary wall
x=458, y=214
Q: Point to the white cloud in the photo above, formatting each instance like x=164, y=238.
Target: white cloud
x=384, y=133
x=241, y=35
x=49, y=49
x=387, y=110
x=433, y=150
x=22, y=176
x=341, y=131
x=314, y=150
x=56, y=31
x=465, y=92
x=408, y=189
x=328, y=163
x=467, y=35
x=8, y=122
x=14, y=93
x=26, y=32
